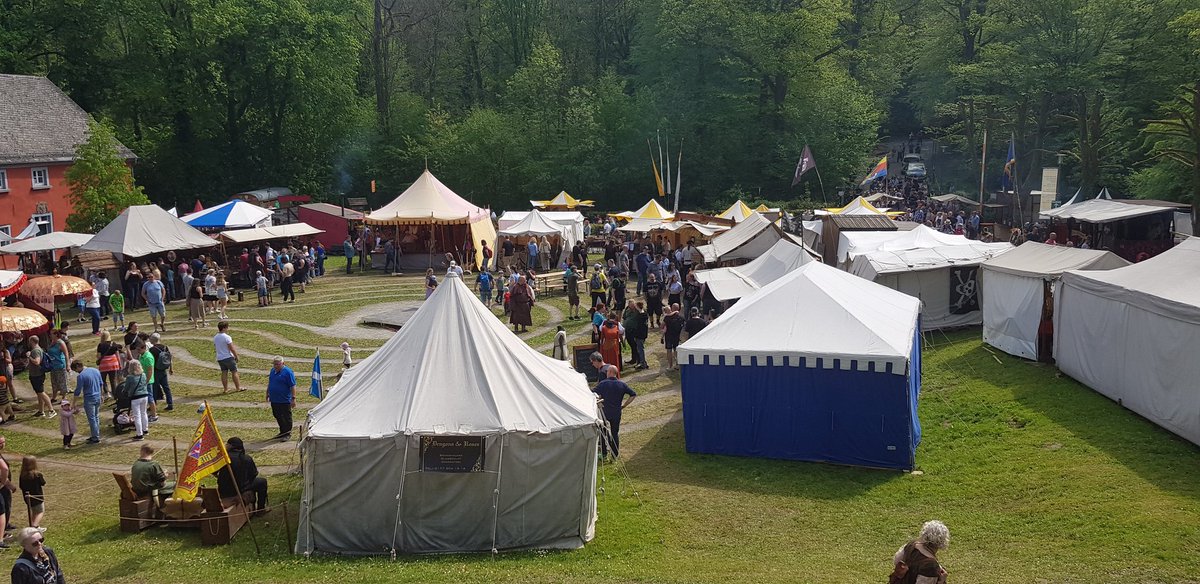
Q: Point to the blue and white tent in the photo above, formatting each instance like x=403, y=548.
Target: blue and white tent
x=818, y=365
x=236, y=214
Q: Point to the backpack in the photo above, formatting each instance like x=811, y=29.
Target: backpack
x=163, y=360
x=596, y=281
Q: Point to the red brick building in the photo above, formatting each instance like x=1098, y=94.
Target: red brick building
x=39, y=129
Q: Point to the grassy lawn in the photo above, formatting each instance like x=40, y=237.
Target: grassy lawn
x=1039, y=478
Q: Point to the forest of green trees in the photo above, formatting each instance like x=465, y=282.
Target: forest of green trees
x=508, y=100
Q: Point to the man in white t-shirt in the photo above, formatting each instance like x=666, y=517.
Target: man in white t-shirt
x=227, y=357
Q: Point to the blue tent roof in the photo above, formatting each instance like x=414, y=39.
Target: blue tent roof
x=232, y=215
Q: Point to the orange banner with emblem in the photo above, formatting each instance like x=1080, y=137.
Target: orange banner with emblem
x=206, y=455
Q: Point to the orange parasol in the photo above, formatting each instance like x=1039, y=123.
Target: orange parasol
x=61, y=287
x=21, y=320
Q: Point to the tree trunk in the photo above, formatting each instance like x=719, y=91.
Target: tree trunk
x=379, y=68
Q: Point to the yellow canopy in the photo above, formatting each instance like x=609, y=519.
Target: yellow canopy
x=562, y=201
x=651, y=210
x=736, y=212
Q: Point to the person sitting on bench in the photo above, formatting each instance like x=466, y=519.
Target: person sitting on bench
x=148, y=476
x=242, y=467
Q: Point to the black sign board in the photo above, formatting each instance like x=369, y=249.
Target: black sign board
x=964, y=290
x=583, y=361
x=452, y=453
x=356, y=202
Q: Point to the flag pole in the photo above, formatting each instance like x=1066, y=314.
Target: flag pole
x=1015, y=184
x=175, y=451
x=668, y=170
x=678, y=176
x=822, y=183
x=245, y=510
x=982, y=165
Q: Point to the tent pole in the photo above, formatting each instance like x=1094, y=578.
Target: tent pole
x=400, y=497
x=496, y=497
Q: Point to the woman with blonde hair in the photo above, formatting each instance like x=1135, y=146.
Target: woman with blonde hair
x=222, y=293
x=916, y=562
x=138, y=392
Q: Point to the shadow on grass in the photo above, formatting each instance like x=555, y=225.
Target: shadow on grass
x=664, y=459
x=1153, y=453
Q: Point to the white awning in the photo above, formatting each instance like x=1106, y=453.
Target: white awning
x=273, y=232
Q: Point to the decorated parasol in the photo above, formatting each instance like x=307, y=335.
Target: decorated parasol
x=10, y=281
x=21, y=320
x=46, y=291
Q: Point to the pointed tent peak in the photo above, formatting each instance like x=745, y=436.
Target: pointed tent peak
x=651, y=210
x=859, y=206
x=426, y=201
x=736, y=212
x=1104, y=194
x=198, y=207
x=563, y=201
x=454, y=368
x=1073, y=198
x=763, y=208
x=845, y=317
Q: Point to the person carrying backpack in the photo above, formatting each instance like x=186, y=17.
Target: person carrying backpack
x=162, y=367
x=598, y=286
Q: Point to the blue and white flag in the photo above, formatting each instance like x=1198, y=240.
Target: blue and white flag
x=317, y=389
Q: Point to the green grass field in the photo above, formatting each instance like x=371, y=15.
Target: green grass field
x=1039, y=478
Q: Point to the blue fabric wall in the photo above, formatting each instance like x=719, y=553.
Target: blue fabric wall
x=852, y=417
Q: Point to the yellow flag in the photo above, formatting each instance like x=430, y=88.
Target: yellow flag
x=206, y=455
x=657, y=177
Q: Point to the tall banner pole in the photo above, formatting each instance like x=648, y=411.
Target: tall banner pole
x=982, y=166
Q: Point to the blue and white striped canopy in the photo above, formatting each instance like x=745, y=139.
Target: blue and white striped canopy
x=235, y=214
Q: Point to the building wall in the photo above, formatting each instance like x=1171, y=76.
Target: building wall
x=21, y=201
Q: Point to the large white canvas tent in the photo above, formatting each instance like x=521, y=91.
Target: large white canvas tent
x=570, y=220
x=731, y=283
x=454, y=436
x=143, y=230
x=941, y=270
x=836, y=381
x=1016, y=289
x=430, y=203
x=745, y=241
x=1131, y=334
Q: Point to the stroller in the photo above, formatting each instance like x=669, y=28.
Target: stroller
x=122, y=413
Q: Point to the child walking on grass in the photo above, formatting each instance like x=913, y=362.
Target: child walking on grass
x=32, y=486
x=66, y=423
x=116, y=301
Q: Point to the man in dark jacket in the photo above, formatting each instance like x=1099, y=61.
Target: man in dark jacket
x=242, y=467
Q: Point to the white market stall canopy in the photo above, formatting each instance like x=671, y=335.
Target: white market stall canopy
x=48, y=242
x=1014, y=291
x=572, y=220
x=1131, y=334
x=852, y=244
x=879, y=262
x=427, y=201
x=962, y=200
x=860, y=321
x=1104, y=211
x=273, y=232
x=535, y=223
x=143, y=230
x=236, y=214
x=746, y=240
x=737, y=282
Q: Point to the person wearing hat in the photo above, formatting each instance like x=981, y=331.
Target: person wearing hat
x=242, y=468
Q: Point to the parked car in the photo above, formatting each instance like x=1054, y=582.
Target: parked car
x=915, y=170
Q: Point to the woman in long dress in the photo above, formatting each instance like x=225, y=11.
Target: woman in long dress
x=521, y=305
x=610, y=341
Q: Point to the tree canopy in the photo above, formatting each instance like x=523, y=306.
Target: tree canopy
x=509, y=100
x=100, y=182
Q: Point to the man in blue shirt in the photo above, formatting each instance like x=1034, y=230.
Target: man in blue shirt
x=348, y=250
x=484, y=284
x=153, y=293
x=532, y=247
x=89, y=385
x=281, y=393
x=612, y=391
x=643, y=268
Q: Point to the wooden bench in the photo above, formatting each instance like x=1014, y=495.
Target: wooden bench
x=222, y=518
x=136, y=513
x=549, y=282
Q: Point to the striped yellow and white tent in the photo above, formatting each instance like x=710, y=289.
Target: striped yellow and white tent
x=651, y=210
x=562, y=202
x=736, y=212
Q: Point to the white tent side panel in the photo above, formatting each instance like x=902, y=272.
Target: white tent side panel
x=1012, y=311
x=932, y=287
x=1142, y=359
x=371, y=496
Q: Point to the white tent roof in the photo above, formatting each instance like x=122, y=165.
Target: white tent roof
x=878, y=262
x=746, y=240
x=731, y=283
x=274, y=232
x=142, y=230
x=1167, y=284
x=454, y=369
x=510, y=218
x=427, y=201
x=235, y=214
x=50, y=241
x=1103, y=211
x=855, y=243
x=1038, y=260
x=843, y=317
x=535, y=223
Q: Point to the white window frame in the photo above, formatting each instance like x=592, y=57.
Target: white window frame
x=3, y=180
x=6, y=230
x=49, y=217
x=33, y=177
